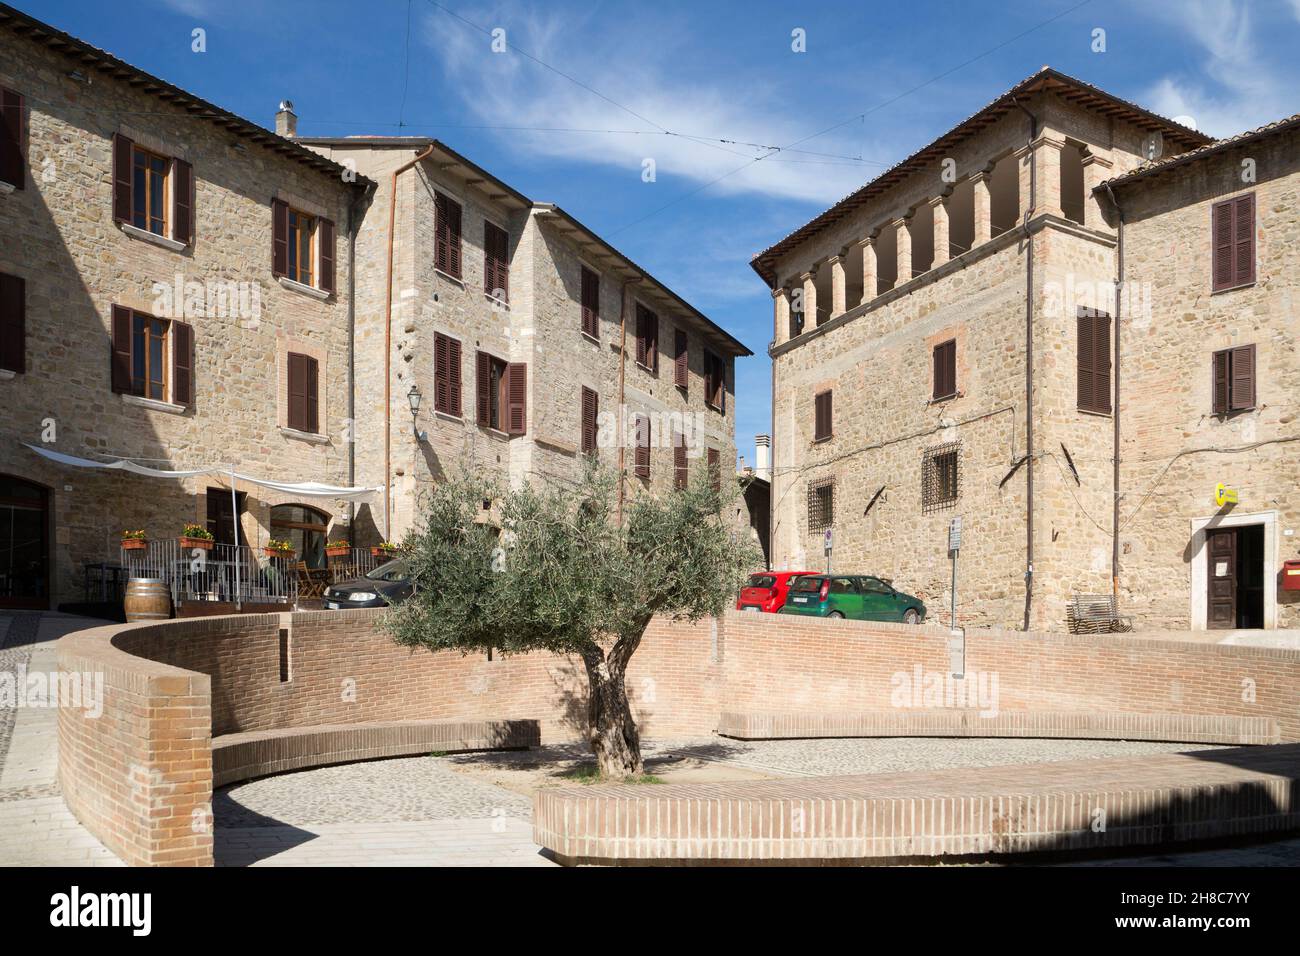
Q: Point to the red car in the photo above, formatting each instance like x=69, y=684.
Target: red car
x=766, y=591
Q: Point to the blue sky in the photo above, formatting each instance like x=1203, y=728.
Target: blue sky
x=622, y=82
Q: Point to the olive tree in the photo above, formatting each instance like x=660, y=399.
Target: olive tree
x=550, y=567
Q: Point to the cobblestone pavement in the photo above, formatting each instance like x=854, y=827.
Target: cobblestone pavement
x=17, y=635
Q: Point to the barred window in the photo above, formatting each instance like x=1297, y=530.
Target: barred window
x=821, y=505
x=940, y=477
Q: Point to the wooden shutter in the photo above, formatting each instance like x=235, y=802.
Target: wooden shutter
x=1243, y=378
x=496, y=258
x=13, y=323
x=325, y=237
x=120, y=349
x=1221, y=365
x=182, y=363
x=590, y=303
x=453, y=378
x=647, y=338
x=517, y=398
x=446, y=235
x=123, y=180
x=681, y=360
x=680, y=471
x=442, y=373
x=715, y=469
x=1092, y=388
x=715, y=381
x=483, y=387
x=652, y=344
x=642, y=461
x=279, y=237
x=313, y=393
x=945, y=369
x=822, y=416
x=590, y=405
x=13, y=166
x=1232, y=228
x=182, y=201
x=298, y=391
x=640, y=335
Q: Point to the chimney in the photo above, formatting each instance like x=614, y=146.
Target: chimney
x=763, y=456
x=286, y=120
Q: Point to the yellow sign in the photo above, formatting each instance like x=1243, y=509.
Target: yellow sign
x=1223, y=495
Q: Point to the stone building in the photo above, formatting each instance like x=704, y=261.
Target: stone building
x=945, y=346
x=508, y=319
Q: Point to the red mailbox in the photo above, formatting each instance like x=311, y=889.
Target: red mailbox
x=1291, y=575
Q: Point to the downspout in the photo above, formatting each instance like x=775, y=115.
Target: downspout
x=622, y=370
x=388, y=343
x=354, y=225
x=771, y=470
x=1029, y=363
x=1115, y=478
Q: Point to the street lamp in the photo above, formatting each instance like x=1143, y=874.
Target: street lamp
x=413, y=397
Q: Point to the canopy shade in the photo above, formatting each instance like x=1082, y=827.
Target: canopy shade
x=302, y=489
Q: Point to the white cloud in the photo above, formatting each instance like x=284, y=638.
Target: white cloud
x=192, y=8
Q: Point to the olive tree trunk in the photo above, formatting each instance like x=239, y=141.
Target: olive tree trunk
x=613, y=733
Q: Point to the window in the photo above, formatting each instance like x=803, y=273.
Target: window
x=149, y=191
x=945, y=370
x=1232, y=230
x=796, y=313
x=940, y=477
x=305, y=527
x=642, y=460
x=1093, y=361
x=1234, y=380
x=152, y=358
x=821, y=505
x=502, y=391
x=496, y=262
x=304, y=384
x=681, y=360
x=647, y=339
x=152, y=192
x=302, y=236
x=822, y=416
x=302, y=246
x=446, y=235
x=590, y=303
x=13, y=323
x=446, y=375
x=590, y=410
x=681, y=471
x=13, y=161
x=715, y=381
x=715, y=469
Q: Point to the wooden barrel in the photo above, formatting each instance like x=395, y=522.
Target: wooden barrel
x=147, y=599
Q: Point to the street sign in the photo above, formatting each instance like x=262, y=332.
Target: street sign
x=1223, y=495
x=954, y=534
x=827, y=544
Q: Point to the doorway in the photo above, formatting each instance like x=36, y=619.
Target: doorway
x=221, y=515
x=1235, y=578
x=24, y=544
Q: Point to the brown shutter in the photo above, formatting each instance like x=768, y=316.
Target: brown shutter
x=715, y=469
x=1243, y=377
x=590, y=403
x=483, y=387
x=182, y=363
x=590, y=303
x=446, y=234
x=517, y=398
x=496, y=257
x=297, y=391
x=12, y=127
x=325, y=237
x=13, y=323
x=822, y=416
x=715, y=384
x=642, y=446
x=453, y=379
x=641, y=329
x=123, y=199
x=680, y=471
x=279, y=237
x=182, y=201
x=652, y=344
x=121, y=349
x=1221, y=241
x=1101, y=362
x=1243, y=240
x=313, y=393
x=441, y=373
x=945, y=369
x=1221, y=363
x=1085, y=356
x=681, y=360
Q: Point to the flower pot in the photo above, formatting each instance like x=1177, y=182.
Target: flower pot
x=382, y=552
x=342, y=552
x=277, y=553
x=203, y=544
x=134, y=544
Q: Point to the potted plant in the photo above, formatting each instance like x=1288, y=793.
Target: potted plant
x=337, y=549
x=385, y=549
x=196, y=536
x=279, y=548
x=134, y=541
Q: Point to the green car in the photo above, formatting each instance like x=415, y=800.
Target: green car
x=858, y=597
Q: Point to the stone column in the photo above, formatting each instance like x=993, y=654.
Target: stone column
x=781, y=314
x=903, y=240
x=941, y=246
x=1047, y=153
x=809, y=280
x=1096, y=170
x=1022, y=176
x=837, y=285
x=869, y=272
x=983, y=202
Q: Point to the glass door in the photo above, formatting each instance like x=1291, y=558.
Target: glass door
x=24, y=544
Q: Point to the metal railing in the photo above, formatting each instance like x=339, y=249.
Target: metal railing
x=228, y=573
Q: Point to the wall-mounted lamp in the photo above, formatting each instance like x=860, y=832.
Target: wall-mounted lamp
x=414, y=398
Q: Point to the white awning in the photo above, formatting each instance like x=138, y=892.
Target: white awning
x=302, y=489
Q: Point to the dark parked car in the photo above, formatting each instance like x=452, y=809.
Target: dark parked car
x=859, y=597
x=390, y=583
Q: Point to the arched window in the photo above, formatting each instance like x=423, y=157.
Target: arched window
x=305, y=527
x=24, y=544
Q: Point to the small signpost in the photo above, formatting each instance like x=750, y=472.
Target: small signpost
x=827, y=546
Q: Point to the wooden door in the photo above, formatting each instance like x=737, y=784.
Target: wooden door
x=1221, y=551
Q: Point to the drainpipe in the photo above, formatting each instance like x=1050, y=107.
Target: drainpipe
x=1119, y=287
x=622, y=370
x=1029, y=363
x=388, y=343
x=354, y=225
x=771, y=469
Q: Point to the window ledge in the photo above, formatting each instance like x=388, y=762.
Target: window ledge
x=594, y=340
x=307, y=290
x=170, y=408
x=312, y=438
x=6, y=374
x=6, y=188
x=647, y=368
x=449, y=417
x=823, y=440
x=709, y=404
x=500, y=304
x=1094, y=412
x=1234, y=288
x=946, y=398
x=450, y=278
x=135, y=232
x=496, y=433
